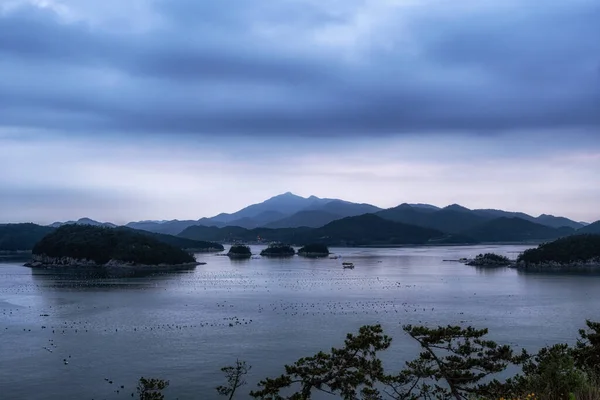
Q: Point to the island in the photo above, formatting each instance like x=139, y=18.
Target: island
x=578, y=252
x=314, y=250
x=239, y=251
x=489, y=260
x=87, y=246
x=278, y=250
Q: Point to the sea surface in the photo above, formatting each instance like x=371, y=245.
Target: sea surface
x=185, y=326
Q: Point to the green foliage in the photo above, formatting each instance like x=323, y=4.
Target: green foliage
x=17, y=237
x=239, y=250
x=552, y=374
x=278, y=250
x=587, y=351
x=151, y=388
x=314, y=249
x=235, y=378
x=455, y=363
x=100, y=244
x=573, y=249
x=452, y=365
x=349, y=371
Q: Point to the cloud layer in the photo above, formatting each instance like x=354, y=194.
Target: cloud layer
x=152, y=109
x=300, y=67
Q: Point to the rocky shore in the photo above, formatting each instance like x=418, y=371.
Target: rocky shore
x=582, y=266
x=313, y=254
x=68, y=263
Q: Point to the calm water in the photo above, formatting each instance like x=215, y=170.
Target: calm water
x=185, y=326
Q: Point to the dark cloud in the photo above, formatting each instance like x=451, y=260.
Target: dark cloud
x=208, y=69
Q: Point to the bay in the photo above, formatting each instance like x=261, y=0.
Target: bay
x=185, y=326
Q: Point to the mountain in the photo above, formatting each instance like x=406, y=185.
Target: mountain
x=274, y=211
x=369, y=229
x=493, y=214
x=424, y=206
x=308, y=218
x=557, y=222
x=261, y=219
x=182, y=243
x=591, y=228
x=16, y=237
x=83, y=221
x=167, y=228
x=286, y=204
x=451, y=219
x=366, y=229
x=231, y=234
x=456, y=218
x=344, y=208
x=515, y=230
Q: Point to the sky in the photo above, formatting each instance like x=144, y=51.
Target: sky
x=125, y=110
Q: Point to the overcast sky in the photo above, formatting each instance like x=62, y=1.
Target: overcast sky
x=125, y=110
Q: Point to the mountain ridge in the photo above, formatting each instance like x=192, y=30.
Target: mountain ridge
x=288, y=210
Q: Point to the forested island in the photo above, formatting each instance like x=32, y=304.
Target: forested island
x=489, y=260
x=92, y=246
x=278, y=250
x=239, y=251
x=314, y=250
x=23, y=237
x=569, y=253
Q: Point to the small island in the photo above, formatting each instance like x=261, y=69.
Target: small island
x=579, y=252
x=278, y=250
x=489, y=260
x=87, y=246
x=239, y=251
x=314, y=250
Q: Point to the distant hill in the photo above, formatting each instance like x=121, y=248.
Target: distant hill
x=273, y=212
x=369, y=229
x=169, y=227
x=344, y=208
x=366, y=229
x=451, y=219
x=86, y=243
x=456, y=218
x=558, y=222
x=21, y=237
x=591, y=228
x=182, y=243
x=286, y=204
x=515, y=230
x=83, y=221
x=308, y=218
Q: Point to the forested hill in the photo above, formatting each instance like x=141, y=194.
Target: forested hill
x=101, y=245
x=21, y=237
x=568, y=250
x=367, y=229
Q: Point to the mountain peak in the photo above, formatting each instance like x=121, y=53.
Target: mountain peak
x=286, y=195
x=456, y=207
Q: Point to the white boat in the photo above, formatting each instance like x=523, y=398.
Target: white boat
x=348, y=265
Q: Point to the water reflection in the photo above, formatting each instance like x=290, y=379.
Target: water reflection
x=101, y=278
